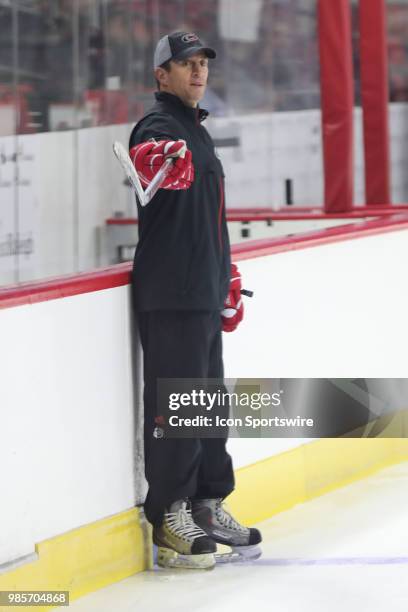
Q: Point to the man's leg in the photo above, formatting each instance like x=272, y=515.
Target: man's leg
x=216, y=476
x=215, y=482
x=175, y=345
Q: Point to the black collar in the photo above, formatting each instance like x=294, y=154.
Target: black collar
x=196, y=114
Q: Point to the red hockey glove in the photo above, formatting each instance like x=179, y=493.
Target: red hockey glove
x=148, y=158
x=233, y=312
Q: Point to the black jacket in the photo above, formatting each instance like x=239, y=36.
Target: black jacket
x=182, y=260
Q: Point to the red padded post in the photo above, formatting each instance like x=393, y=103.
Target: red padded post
x=374, y=97
x=337, y=101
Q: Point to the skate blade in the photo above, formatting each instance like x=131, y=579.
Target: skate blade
x=171, y=559
x=239, y=554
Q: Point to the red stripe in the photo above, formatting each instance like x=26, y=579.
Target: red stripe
x=284, y=216
x=336, y=77
x=54, y=288
x=122, y=221
x=374, y=97
x=268, y=209
x=264, y=214
x=120, y=274
x=220, y=213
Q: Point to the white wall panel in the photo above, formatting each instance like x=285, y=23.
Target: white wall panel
x=337, y=310
x=67, y=417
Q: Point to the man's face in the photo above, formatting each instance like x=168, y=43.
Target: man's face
x=187, y=78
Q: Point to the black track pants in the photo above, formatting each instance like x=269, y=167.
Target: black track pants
x=180, y=344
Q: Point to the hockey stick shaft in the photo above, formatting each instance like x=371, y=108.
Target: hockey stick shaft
x=158, y=180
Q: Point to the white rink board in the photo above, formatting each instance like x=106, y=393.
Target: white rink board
x=67, y=422
x=337, y=310
x=69, y=453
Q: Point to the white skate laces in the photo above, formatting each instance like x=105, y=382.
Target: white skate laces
x=226, y=520
x=181, y=523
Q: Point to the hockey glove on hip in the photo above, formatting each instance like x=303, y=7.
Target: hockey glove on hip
x=233, y=312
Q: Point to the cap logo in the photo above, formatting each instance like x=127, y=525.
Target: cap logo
x=188, y=38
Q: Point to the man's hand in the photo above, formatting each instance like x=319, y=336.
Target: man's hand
x=233, y=312
x=148, y=158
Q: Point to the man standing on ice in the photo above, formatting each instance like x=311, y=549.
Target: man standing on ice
x=185, y=292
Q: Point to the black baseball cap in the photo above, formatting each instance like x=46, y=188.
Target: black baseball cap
x=179, y=45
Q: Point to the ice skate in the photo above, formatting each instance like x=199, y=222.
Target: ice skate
x=219, y=525
x=181, y=543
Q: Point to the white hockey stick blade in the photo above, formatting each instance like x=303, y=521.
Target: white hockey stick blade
x=154, y=186
x=129, y=169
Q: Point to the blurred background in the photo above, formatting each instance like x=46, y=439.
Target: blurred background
x=76, y=75
x=83, y=63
